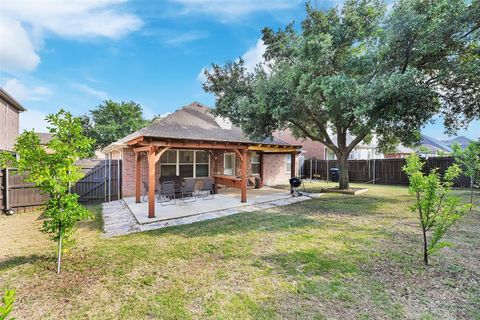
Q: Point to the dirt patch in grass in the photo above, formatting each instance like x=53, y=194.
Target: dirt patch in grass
x=336, y=257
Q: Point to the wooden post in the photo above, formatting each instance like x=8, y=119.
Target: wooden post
x=261, y=170
x=292, y=165
x=138, y=174
x=151, y=182
x=244, y=175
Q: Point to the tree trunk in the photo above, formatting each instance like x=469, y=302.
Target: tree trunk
x=343, y=168
x=425, y=246
x=59, y=261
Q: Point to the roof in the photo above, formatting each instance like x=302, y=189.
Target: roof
x=461, y=140
x=434, y=145
x=193, y=122
x=362, y=145
x=4, y=95
x=44, y=137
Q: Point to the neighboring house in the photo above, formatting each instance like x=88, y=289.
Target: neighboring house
x=362, y=151
x=427, y=147
x=192, y=143
x=310, y=149
x=9, y=120
x=44, y=137
x=461, y=140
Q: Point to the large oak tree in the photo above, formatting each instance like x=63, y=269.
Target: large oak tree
x=359, y=70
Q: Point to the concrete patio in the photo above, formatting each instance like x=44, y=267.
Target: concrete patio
x=225, y=199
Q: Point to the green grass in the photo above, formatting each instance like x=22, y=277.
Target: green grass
x=334, y=257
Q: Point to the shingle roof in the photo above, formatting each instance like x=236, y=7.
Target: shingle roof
x=44, y=137
x=193, y=122
x=4, y=95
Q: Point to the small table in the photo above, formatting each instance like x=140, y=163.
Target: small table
x=229, y=181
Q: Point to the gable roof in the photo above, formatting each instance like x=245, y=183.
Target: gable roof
x=192, y=122
x=4, y=95
x=434, y=145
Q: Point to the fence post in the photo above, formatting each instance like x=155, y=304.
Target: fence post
x=118, y=179
x=7, y=187
x=105, y=180
x=374, y=171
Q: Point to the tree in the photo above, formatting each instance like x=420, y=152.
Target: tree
x=437, y=208
x=470, y=160
x=356, y=70
x=7, y=304
x=52, y=169
x=111, y=121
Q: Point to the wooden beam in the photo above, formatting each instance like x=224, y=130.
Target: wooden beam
x=159, y=154
x=151, y=182
x=239, y=155
x=135, y=141
x=244, y=176
x=284, y=149
x=196, y=145
x=138, y=173
x=261, y=169
x=141, y=149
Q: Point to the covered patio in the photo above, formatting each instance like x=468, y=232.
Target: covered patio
x=223, y=200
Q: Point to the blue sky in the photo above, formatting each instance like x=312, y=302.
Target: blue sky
x=75, y=54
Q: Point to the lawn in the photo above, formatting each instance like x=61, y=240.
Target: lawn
x=339, y=257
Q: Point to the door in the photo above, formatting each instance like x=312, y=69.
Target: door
x=229, y=164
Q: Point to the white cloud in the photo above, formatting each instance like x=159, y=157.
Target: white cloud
x=180, y=39
x=25, y=24
x=254, y=55
x=201, y=75
x=21, y=92
x=90, y=91
x=33, y=119
x=233, y=8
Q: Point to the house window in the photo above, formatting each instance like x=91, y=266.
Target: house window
x=201, y=164
x=168, y=163
x=288, y=164
x=255, y=163
x=229, y=164
x=185, y=163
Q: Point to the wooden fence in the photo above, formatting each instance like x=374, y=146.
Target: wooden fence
x=381, y=171
x=102, y=182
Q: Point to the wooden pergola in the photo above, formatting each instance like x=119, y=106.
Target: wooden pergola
x=155, y=147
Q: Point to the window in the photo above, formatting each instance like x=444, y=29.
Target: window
x=255, y=163
x=201, y=164
x=168, y=163
x=288, y=164
x=185, y=163
x=229, y=164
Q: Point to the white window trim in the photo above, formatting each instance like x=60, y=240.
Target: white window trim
x=194, y=163
x=256, y=162
x=288, y=164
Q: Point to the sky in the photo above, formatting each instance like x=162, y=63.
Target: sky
x=75, y=54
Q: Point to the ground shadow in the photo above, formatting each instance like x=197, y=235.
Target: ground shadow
x=12, y=262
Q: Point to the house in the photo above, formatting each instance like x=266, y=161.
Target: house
x=9, y=120
x=362, y=151
x=461, y=140
x=310, y=149
x=427, y=147
x=194, y=144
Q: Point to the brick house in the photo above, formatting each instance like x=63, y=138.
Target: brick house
x=9, y=120
x=310, y=149
x=194, y=144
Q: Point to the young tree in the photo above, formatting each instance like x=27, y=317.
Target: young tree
x=52, y=169
x=111, y=121
x=6, y=306
x=437, y=208
x=470, y=160
x=356, y=70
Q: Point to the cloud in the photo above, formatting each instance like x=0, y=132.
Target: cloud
x=186, y=37
x=90, y=91
x=25, y=24
x=21, y=92
x=33, y=119
x=201, y=75
x=233, y=8
x=254, y=55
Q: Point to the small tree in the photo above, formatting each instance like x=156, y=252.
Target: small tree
x=437, y=207
x=52, y=169
x=470, y=160
x=7, y=304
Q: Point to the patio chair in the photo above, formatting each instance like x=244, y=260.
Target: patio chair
x=188, y=191
x=206, y=191
x=167, y=193
x=145, y=192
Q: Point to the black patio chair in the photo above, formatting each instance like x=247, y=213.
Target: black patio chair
x=145, y=192
x=167, y=193
x=206, y=191
x=188, y=191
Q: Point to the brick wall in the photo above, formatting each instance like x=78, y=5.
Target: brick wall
x=274, y=169
x=310, y=148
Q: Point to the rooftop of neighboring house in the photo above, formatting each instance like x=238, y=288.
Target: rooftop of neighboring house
x=193, y=122
x=44, y=137
x=5, y=96
x=461, y=140
x=372, y=144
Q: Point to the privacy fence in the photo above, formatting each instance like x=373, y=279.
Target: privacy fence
x=380, y=171
x=102, y=182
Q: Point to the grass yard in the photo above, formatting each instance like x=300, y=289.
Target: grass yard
x=338, y=257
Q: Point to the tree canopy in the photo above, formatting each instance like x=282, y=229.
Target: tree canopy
x=111, y=121
x=358, y=70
